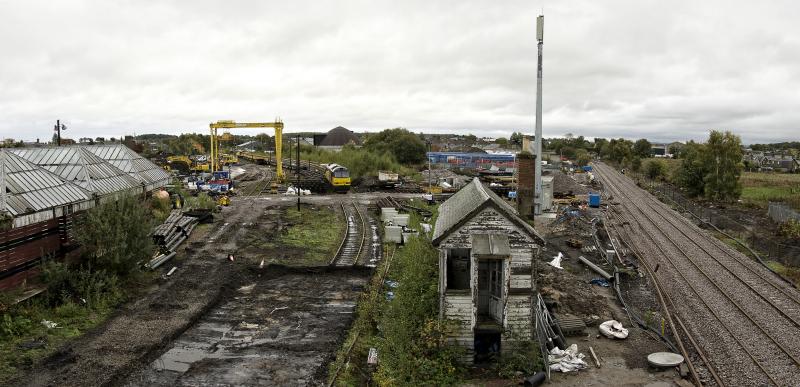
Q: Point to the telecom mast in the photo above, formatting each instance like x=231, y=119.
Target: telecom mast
x=537, y=202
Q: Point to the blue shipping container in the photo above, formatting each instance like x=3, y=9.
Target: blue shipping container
x=594, y=200
x=587, y=168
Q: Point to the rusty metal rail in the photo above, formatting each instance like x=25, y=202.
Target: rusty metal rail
x=352, y=244
x=616, y=184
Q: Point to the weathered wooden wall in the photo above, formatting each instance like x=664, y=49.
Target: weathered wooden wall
x=462, y=305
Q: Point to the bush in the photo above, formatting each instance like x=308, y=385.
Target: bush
x=160, y=207
x=115, y=236
x=790, y=229
x=414, y=348
x=200, y=202
x=359, y=161
x=79, y=285
x=654, y=169
x=524, y=359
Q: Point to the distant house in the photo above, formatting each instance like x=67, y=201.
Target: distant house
x=771, y=161
x=781, y=163
x=663, y=149
x=337, y=138
x=486, y=280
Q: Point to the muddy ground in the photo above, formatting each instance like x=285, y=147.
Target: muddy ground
x=207, y=295
x=623, y=362
x=280, y=326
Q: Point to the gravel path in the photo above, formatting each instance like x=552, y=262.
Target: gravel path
x=744, y=316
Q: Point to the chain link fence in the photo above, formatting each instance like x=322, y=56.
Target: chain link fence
x=780, y=212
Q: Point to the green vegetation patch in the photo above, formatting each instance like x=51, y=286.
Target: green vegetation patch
x=790, y=273
x=359, y=161
x=308, y=237
x=24, y=339
x=114, y=238
x=758, y=188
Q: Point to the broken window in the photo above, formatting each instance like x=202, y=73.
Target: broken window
x=458, y=268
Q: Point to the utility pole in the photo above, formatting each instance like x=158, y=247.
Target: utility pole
x=430, y=188
x=297, y=173
x=58, y=128
x=537, y=202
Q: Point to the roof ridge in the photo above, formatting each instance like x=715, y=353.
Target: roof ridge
x=23, y=161
x=481, y=189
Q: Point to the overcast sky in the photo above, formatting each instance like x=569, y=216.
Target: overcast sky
x=664, y=70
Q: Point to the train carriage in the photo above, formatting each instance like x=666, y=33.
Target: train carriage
x=338, y=177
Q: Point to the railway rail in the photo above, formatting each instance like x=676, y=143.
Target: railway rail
x=257, y=187
x=711, y=286
x=355, y=234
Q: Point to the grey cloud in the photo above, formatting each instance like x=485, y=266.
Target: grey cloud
x=663, y=70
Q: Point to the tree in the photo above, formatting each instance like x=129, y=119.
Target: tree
x=691, y=172
x=597, y=148
x=636, y=164
x=712, y=169
x=406, y=147
x=641, y=148
x=618, y=150
x=516, y=139
x=115, y=236
x=470, y=139
x=723, y=163
x=674, y=150
x=582, y=157
x=502, y=141
x=654, y=169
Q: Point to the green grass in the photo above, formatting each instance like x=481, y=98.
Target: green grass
x=23, y=324
x=759, y=188
x=791, y=273
x=315, y=232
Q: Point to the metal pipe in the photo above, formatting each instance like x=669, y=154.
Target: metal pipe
x=596, y=268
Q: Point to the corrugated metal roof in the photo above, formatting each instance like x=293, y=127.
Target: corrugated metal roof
x=131, y=163
x=466, y=201
x=30, y=188
x=78, y=165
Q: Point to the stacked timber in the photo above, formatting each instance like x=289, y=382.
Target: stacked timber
x=169, y=235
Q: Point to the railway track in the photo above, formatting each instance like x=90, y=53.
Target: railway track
x=744, y=318
x=355, y=234
x=257, y=187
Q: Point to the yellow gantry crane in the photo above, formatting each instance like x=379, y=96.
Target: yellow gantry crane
x=277, y=125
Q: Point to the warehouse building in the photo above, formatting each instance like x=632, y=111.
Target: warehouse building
x=41, y=189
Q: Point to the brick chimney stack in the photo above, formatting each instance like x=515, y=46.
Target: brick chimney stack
x=525, y=183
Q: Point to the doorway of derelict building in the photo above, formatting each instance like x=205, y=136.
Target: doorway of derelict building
x=487, y=345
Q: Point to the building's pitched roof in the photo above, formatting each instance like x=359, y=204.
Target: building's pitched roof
x=340, y=136
x=469, y=201
x=132, y=163
x=30, y=188
x=78, y=165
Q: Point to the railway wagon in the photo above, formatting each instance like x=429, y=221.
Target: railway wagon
x=338, y=177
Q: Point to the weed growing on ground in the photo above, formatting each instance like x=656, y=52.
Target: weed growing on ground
x=114, y=237
x=413, y=349
x=523, y=360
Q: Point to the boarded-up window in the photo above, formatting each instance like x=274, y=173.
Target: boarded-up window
x=458, y=268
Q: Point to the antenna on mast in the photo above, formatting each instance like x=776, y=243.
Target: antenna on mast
x=537, y=201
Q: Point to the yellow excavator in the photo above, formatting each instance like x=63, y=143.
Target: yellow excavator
x=216, y=161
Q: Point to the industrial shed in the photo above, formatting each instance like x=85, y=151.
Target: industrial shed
x=486, y=282
x=130, y=162
x=42, y=188
x=76, y=164
x=35, y=207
